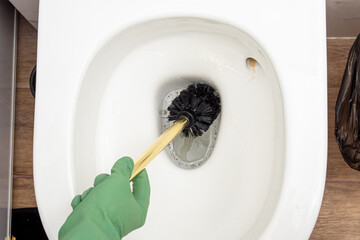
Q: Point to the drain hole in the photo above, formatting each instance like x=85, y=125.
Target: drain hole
x=188, y=152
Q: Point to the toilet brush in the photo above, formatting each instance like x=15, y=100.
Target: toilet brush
x=193, y=112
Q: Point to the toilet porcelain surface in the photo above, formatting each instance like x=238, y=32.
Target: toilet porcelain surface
x=99, y=62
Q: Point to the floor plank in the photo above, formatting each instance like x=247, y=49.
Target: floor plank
x=23, y=193
x=337, y=54
x=24, y=108
x=339, y=216
x=23, y=159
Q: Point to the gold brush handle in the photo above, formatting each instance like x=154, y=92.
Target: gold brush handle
x=159, y=145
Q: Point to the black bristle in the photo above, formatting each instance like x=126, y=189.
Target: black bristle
x=201, y=103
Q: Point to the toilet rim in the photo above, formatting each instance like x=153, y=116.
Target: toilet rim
x=289, y=202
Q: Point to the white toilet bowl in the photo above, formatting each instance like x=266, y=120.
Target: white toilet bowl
x=101, y=84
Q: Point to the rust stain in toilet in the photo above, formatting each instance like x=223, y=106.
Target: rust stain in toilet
x=252, y=63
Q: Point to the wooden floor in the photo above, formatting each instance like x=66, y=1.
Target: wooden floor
x=23, y=186
x=340, y=212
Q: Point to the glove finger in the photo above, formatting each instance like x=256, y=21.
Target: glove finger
x=76, y=201
x=124, y=166
x=85, y=193
x=99, y=178
x=141, y=190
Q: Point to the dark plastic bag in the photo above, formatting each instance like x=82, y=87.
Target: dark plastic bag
x=347, y=109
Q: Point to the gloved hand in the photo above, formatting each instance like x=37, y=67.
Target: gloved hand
x=109, y=210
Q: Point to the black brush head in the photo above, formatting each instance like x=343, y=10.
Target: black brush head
x=200, y=104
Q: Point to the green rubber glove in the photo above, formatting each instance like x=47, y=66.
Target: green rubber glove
x=109, y=210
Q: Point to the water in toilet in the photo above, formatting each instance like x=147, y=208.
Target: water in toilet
x=188, y=152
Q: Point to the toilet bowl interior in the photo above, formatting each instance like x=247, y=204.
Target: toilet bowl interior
x=118, y=113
